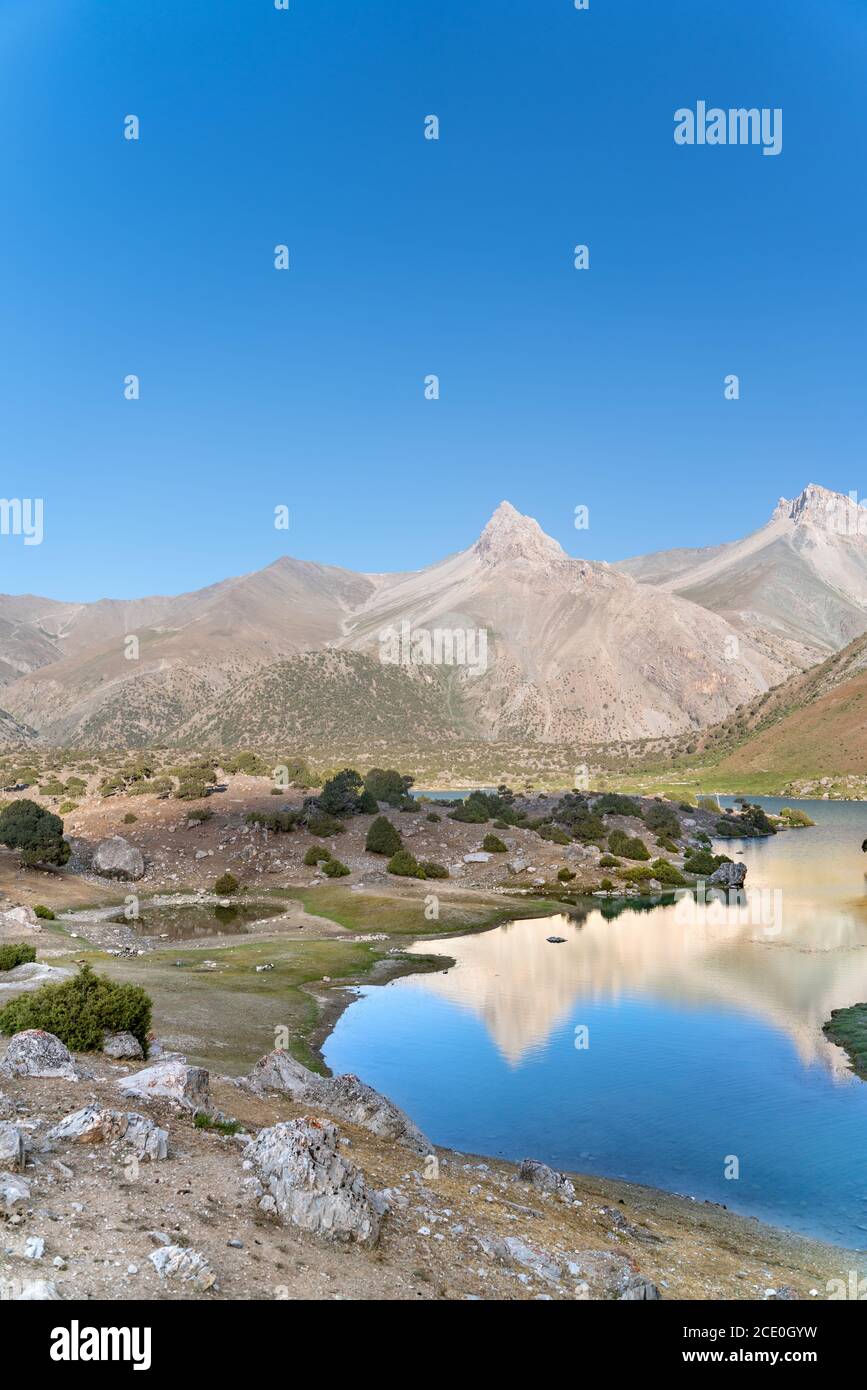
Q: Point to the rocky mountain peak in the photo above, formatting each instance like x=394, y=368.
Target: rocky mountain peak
x=511, y=536
x=815, y=506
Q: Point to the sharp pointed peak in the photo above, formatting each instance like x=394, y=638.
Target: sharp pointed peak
x=816, y=505
x=511, y=535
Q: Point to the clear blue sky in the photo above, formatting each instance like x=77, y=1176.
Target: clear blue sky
x=411, y=257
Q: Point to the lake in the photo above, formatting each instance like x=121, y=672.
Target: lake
x=655, y=1046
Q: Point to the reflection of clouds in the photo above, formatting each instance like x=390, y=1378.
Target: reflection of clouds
x=522, y=987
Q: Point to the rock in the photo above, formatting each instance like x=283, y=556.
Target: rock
x=597, y=1274
x=546, y=1179
x=184, y=1263
x=728, y=876
x=171, y=1079
x=556, y=940
x=480, y=857
x=7, y=1107
x=21, y=918
x=30, y=1291
x=122, y=1046
x=14, y=1191
x=98, y=1125
x=12, y=1152
x=34, y=1248
x=306, y=1182
x=117, y=858
x=37, y=1053
x=517, y=866
x=343, y=1096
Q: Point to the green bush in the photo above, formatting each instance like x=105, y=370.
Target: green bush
x=565, y=875
x=316, y=853
x=662, y=819
x=434, y=870
x=80, y=1010
x=192, y=789
x=332, y=868
x=44, y=912
x=627, y=846
x=795, y=816
x=405, y=865
x=640, y=874
x=386, y=784
x=667, y=873
x=608, y=861
x=281, y=822
x=67, y=807
x=615, y=804
x=383, y=838
x=15, y=954
x=554, y=834
x=249, y=763
x=325, y=825
x=607, y=885
x=129, y=818
x=225, y=884
x=432, y=816
x=53, y=789
x=35, y=832
x=492, y=844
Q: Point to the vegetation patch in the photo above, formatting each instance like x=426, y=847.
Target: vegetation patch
x=79, y=1011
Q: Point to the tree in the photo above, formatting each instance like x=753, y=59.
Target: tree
x=341, y=794
x=382, y=838
x=386, y=784
x=226, y=883
x=35, y=832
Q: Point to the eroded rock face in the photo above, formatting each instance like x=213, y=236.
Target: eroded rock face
x=592, y=1274
x=728, y=876
x=122, y=1046
x=97, y=1125
x=304, y=1180
x=171, y=1079
x=37, y=1053
x=343, y=1096
x=117, y=858
x=546, y=1179
x=184, y=1263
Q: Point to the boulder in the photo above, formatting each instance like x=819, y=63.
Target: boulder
x=479, y=857
x=171, y=1079
x=122, y=1046
x=37, y=1053
x=546, y=1179
x=343, y=1096
x=117, y=858
x=14, y=1192
x=98, y=1125
x=29, y=1291
x=20, y=919
x=12, y=1151
x=304, y=1180
x=594, y=1274
x=184, y=1263
x=728, y=876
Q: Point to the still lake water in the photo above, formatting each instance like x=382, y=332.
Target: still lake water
x=704, y=1039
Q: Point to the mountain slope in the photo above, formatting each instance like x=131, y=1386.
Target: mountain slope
x=800, y=581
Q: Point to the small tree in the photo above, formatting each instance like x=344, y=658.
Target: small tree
x=225, y=884
x=382, y=838
x=35, y=832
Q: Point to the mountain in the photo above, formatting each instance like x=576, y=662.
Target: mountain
x=576, y=651
x=799, y=583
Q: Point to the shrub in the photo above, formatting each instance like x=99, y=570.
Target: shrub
x=432, y=817
x=667, y=873
x=249, y=763
x=316, y=853
x=324, y=826
x=662, y=819
x=664, y=843
x=386, y=784
x=192, y=789
x=640, y=874
x=15, y=954
x=332, y=868
x=627, y=846
x=281, y=822
x=434, y=870
x=80, y=1010
x=225, y=884
x=702, y=863
x=45, y=913
x=494, y=845
x=554, y=834
x=565, y=875
x=607, y=885
x=608, y=861
x=53, y=789
x=35, y=832
x=129, y=818
x=67, y=807
x=615, y=804
x=340, y=795
x=795, y=816
x=405, y=865
x=197, y=816
x=383, y=838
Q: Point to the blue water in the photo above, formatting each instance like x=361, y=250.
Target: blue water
x=705, y=1041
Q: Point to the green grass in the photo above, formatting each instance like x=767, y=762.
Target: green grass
x=848, y=1029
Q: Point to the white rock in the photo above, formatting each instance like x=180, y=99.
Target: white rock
x=37, y=1053
x=171, y=1079
x=12, y=1154
x=184, y=1263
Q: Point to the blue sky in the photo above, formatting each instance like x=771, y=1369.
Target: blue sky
x=408, y=257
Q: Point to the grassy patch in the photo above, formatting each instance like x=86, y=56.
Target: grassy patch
x=848, y=1029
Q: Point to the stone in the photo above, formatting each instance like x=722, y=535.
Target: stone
x=117, y=858
x=343, y=1096
x=184, y=1263
x=122, y=1046
x=37, y=1053
x=14, y=1191
x=728, y=876
x=171, y=1079
x=34, y=1248
x=480, y=857
x=21, y=918
x=517, y=866
x=29, y=1291
x=556, y=940
x=596, y=1274
x=98, y=1125
x=305, y=1181
x=12, y=1151
x=546, y=1179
